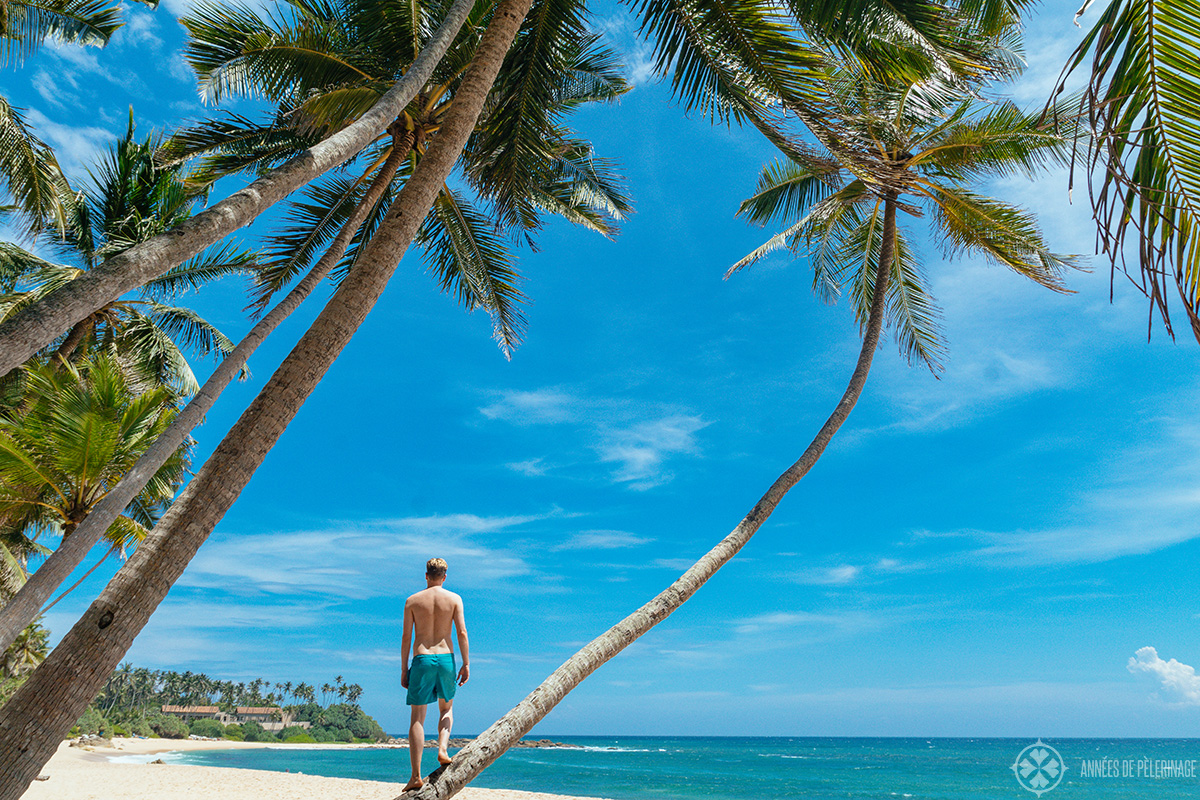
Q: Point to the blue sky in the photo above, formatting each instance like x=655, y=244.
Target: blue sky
x=984, y=554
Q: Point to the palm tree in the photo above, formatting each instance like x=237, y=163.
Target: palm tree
x=61, y=449
x=30, y=176
x=31, y=725
x=521, y=163
x=29, y=172
x=731, y=59
x=1142, y=104
x=104, y=634
x=75, y=436
x=21, y=658
x=916, y=148
x=44, y=321
x=521, y=160
x=130, y=199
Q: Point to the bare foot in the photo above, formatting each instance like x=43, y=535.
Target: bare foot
x=443, y=758
x=415, y=783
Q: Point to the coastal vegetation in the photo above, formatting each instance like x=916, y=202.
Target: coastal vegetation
x=875, y=109
x=132, y=700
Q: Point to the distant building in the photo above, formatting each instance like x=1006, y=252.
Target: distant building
x=272, y=718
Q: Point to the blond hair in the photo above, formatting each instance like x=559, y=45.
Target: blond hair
x=435, y=567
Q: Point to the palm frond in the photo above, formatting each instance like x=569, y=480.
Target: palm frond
x=190, y=330
x=153, y=356
x=309, y=227
x=1143, y=107
x=551, y=68
x=788, y=189
x=1003, y=141
x=819, y=234
x=229, y=144
x=30, y=174
x=472, y=263
x=26, y=24
x=217, y=262
x=19, y=266
x=911, y=311
x=728, y=59
x=1003, y=233
x=236, y=52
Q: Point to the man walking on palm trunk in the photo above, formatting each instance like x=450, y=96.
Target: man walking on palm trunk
x=428, y=618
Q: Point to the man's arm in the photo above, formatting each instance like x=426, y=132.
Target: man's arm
x=460, y=623
x=405, y=643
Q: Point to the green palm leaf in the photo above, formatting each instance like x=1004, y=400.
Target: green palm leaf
x=25, y=24
x=29, y=173
x=472, y=263
x=217, y=262
x=895, y=147
x=1143, y=104
x=236, y=52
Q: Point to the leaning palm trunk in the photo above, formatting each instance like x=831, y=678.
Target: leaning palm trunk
x=33, y=722
x=24, y=606
x=44, y=321
x=506, y=731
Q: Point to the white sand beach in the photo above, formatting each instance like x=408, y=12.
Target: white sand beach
x=91, y=774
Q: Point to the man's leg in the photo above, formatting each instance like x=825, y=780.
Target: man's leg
x=416, y=744
x=446, y=707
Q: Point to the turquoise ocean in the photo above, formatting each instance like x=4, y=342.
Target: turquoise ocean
x=698, y=768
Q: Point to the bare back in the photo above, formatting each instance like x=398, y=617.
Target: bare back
x=433, y=613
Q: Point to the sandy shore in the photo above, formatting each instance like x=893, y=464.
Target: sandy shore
x=90, y=774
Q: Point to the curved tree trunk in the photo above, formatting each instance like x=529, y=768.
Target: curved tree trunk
x=69, y=345
x=44, y=321
x=33, y=722
x=25, y=605
x=506, y=731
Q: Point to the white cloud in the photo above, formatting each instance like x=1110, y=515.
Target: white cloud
x=532, y=408
x=830, y=576
x=636, y=52
x=639, y=451
x=533, y=467
x=637, y=438
x=1081, y=544
x=602, y=540
x=175, y=615
x=85, y=59
x=51, y=90
x=179, y=69
x=1148, y=502
x=76, y=146
x=1179, y=681
x=363, y=559
x=138, y=30
x=843, y=621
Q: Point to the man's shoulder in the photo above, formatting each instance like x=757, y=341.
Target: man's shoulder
x=453, y=595
x=416, y=597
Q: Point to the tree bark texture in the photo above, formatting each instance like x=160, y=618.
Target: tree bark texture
x=44, y=321
x=506, y=731
x=33, y=722
x=24, y=607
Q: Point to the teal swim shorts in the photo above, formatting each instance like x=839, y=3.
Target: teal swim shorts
x=431, y=676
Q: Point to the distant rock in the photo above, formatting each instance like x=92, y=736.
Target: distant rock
x=158, y=761
x=91, y=740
